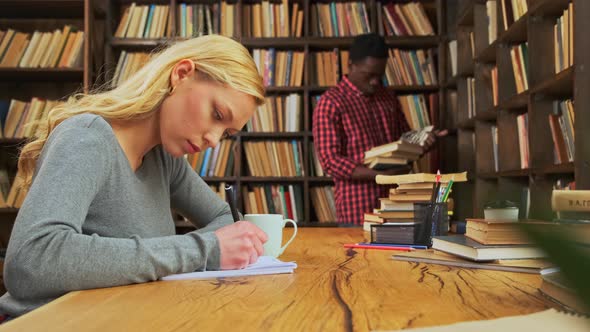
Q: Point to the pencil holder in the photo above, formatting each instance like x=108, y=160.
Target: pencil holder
x=431, y=219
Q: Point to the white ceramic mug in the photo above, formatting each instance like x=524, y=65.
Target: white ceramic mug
x=272, y=225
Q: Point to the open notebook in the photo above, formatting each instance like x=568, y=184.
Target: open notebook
x=264, y=265
x=545, y=321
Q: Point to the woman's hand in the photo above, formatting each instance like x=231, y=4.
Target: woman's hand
x=240, y=244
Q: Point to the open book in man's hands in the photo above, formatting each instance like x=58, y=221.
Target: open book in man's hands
x=395, y=154
x=264, y=265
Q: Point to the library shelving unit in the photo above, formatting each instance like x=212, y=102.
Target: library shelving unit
x=308, y=43
x=46, y=83
x=500, y=175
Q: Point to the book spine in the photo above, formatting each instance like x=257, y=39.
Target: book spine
x=570, y=200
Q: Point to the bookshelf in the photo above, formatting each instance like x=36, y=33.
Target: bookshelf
x=476, y=58
x=53, y=83
x=309, y=42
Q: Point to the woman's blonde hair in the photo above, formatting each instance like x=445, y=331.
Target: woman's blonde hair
x=220, y=58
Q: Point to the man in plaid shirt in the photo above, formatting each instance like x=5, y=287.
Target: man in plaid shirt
x=351, y=118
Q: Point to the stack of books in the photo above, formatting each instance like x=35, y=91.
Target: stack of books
x=393, y=154
x=395, y=220
x=408, y=148
x=487, y=244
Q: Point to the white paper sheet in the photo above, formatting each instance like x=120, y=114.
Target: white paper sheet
x=264, y=265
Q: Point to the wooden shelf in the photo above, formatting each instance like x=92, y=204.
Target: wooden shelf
x=396, y=88
x=262, y=179
x=284, y=89
x=468, y=71
x=451, y=83
x=139, y=44
x=8, y=210
x=273, y=135
x=465, y=16
x=516, y=33
x=488, y=176
x=328, y=42
x=413, y=41
x=321, y=180
x=515, y=173
x=565, y=168
x=17, y=142
x=39, y=9
x=549, y=7
x=488, y=55
x=467, y=124
x=515, y=102
x=42, y=74
x=488, y=115
x=273, y=42
x=559, y=86
x=219, y=179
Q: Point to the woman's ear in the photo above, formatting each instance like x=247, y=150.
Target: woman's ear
x=184, y=69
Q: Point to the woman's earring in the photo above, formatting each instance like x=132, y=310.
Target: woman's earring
x=171, y=90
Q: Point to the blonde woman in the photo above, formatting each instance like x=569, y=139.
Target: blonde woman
x=108, y=168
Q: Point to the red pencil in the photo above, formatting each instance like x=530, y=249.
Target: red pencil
x=377, y=247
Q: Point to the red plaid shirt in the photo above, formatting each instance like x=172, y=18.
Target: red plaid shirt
x=347, y=123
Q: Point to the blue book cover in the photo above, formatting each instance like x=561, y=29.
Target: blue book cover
x=417, y=67
x=296, y=158
x=289, y=64
x=203, y=171
x=334, y=19
x=146, y=32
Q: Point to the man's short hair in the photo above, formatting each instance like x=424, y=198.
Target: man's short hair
x=368, y=45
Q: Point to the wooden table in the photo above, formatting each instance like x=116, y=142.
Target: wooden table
x=332, y=290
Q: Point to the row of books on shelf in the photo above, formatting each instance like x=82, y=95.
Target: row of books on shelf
x=512, y=10
x=322, y=200
x=128, y=64
x=60, y=48
x=278, y=114
x=328, y=67
x=266, y=19
x=264, y=159
x=406, y=19
x=339, y=19
x=563, y=35
x=418, y=109
x=11, y=194
x=150, y=21
x=19, y=119
x=561, y=122
x=274, y=158
x=520, y=66
x=285, y=68
x=414, y=67
x=281, y=199
x=214, y=162
x=153, y=21
x=279, y=68
x=492, y=20
x=197, y=19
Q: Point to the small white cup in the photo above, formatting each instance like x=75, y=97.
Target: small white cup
x=272, y=225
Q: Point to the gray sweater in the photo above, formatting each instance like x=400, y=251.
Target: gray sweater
x=90, y=221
